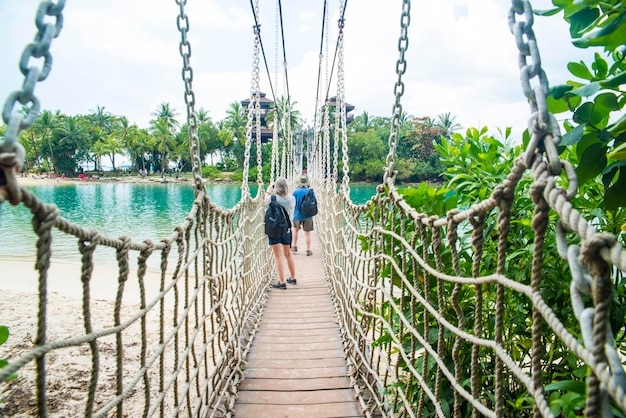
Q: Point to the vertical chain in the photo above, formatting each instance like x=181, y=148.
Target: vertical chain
x=326, y=140
x=283, y=154
x=12, y=154
x=288, y=138
x=274, y=168
x=253, y=105
x=542, y=125
x=403, y=44
x=182, y=23
x=341, y=102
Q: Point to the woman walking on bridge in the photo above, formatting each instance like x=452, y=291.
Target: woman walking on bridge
x=281, y=247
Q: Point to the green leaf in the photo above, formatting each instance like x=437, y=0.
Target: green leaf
x=615, y=198
x=4, y=334
x=580, y=20
x=583, y=113
x=549, y=12
x=610, y=36
x=619, y=126
x=557, y=92
x=587, y=91
x=568, y=385
x=606, y=103
x=619, y=153
x=580, y=70
x=592, y=162
x=574, y=136
x=614, y=81
x=600, y=66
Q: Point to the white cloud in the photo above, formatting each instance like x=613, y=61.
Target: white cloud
x=124, y=55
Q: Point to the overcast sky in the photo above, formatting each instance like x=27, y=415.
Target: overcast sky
x=123, y=55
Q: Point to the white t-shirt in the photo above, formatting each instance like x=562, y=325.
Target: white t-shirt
x=289, y=203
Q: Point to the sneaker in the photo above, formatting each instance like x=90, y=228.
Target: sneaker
x=279, y=285
x=294, y=249
x=309, y=252
x=292, y=281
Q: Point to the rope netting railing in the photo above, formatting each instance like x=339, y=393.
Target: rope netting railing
x=435, y=318
x=173, y=339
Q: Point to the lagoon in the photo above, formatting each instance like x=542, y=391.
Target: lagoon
x=139, y=210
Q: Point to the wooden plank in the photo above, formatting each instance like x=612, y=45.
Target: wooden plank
x=280, y=385
x=329, y=410
x=303, y=339
x=295, y=373
x=280, y=332
x=296, y=365
x=293, y=355
x=307, y=397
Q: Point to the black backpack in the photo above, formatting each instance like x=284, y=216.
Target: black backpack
x=308, y=207
x=277, y=222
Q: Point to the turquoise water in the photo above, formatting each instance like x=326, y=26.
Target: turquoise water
x=139, y=210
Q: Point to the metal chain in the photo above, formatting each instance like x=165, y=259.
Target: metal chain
x=253, y=105
x=542, y=125
x=326, y=144
x=338, y=100
x=12, y=153
x=182, y=23
x=341, y=93
x=274, y=168
x=545, y=137
x=403, y=44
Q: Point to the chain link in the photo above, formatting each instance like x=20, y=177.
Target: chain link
x=182, y=23
x=341, y=93
x=253, y=106
x=12, y=154
x=544, y=139
x=403, y=43
x=542, y=126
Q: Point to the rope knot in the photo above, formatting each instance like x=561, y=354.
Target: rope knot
x=591, y=246
x=9, y=189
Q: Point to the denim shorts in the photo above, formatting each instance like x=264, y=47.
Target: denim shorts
x=285, y=239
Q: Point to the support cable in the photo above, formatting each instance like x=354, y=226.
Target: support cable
x=258, y=31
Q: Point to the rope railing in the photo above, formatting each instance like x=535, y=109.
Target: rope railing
x=426, y=313
x=421, y=334
x=430, y=319
x=179, y=351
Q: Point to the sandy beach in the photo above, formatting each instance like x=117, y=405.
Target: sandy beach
x=69, y=368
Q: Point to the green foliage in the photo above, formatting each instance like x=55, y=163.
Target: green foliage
x=210, y=172
x=429, y=199
x=4, y=336
x=597, y=128
x=475, y=165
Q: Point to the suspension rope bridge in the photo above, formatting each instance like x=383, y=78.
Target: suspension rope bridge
x=188, y=347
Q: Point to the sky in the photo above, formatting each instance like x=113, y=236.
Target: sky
x=123, y=55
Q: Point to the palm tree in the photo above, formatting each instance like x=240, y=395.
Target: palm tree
x=236, y=122
x=166, y=142
x=362, y=123
x=169, y=115
x=447, y=123
x=43, y=127
x=104, y=120
x=113, y=147
x=98, y=149
x=279, y=111
x=73, y=140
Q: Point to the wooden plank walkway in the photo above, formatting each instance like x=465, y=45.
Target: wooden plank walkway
x=296, y=367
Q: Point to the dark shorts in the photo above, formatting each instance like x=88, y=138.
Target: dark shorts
x=285, y=239
x=305, y=224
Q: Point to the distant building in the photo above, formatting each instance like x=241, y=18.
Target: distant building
x=349, y=108
x=266, y=133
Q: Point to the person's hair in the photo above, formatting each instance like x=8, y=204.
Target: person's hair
x=280, y=187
